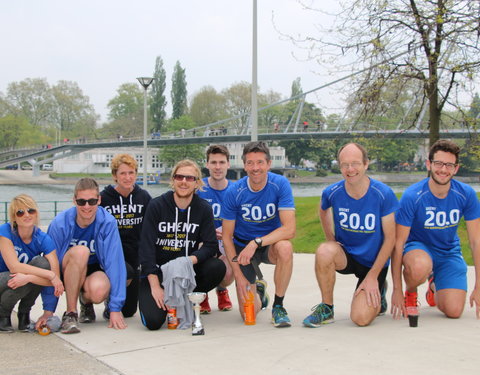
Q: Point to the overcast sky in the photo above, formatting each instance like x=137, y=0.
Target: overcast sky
x=101, y=44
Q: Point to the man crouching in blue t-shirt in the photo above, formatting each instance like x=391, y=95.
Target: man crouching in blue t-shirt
x=427, y=242
x=357, y=216
x=91, y=259
x=258, y=222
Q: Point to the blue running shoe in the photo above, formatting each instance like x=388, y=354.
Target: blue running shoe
x=280, y=318
x=322, y=314
x=262, y=293
x=383, y=301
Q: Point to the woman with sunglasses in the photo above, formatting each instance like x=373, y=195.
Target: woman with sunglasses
x=23, y=271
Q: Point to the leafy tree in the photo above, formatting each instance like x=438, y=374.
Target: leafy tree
x=72, y=110
x=32, y=99
x=296, y=87
x=207, y=106
x=128, y=102
x=438, y=39
x=179, y=91
x=157, y=93
x=17, y=132
x=238, y=101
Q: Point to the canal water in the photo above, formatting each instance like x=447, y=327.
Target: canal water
x=55, y=198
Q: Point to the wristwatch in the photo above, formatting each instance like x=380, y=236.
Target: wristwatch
x=258, y=241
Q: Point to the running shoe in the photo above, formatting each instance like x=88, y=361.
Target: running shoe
x=280, y=318
x=224, y=303
x=87, y=312
x=69, y=323
x=411, y=305
x=205, y=306
x=262, y=293
x=322, y=314
x=430, y=295
x=106, y=310
x=383, y=299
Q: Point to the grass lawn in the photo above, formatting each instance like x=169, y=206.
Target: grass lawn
x=310, y=233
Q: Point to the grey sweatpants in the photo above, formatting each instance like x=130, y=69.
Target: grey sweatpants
x=27, y=294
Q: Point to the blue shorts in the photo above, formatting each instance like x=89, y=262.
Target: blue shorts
x=449, y=268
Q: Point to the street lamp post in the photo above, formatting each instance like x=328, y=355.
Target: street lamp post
x=145, y=82
x=254, y=113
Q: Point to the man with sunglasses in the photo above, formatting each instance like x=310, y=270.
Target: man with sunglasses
x=258, y=215
x=177, y=227
x=91, y=258
x=427, y=243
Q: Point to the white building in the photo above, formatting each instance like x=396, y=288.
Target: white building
x=98, y=160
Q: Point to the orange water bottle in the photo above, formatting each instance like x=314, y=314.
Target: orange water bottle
x=249, y=308
x=44, y=330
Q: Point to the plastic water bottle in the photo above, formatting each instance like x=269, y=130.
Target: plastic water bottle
x=249, y=308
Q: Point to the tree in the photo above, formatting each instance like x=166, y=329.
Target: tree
x=72, y=111
x=237, y=102
x=179, y=91
x=157, y=94
x=438, y=40
x=33, y=99
x=207, y=106
x=127, y=103
x=17, y=132
x=296, y=87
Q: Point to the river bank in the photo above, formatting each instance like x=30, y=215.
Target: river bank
x=15, y=177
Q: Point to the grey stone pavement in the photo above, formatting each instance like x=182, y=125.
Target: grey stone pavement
x=437, y=346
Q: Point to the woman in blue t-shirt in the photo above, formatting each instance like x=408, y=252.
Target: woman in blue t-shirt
x=28, y=261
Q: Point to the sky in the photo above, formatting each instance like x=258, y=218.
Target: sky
x=101, y=44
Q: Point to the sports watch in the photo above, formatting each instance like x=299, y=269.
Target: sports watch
x=258, y=241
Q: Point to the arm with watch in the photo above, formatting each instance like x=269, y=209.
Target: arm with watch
x=285, y=232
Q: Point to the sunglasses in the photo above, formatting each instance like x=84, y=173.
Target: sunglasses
x=30, y=211
x=83, y=202
x=181, y=177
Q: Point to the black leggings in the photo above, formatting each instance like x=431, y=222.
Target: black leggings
x=207, y=276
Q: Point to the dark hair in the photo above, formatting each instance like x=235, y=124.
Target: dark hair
x=445, y=146
x=218, y=149
x=86, y=183
x=359, y=146
x=257, y=146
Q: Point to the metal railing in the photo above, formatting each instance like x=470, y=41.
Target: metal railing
x=48, y=210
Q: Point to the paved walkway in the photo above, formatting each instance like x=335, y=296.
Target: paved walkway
x=438, y=346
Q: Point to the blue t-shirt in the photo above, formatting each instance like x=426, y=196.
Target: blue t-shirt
x=85, y=237
x=256, y=212
x=214, y=198
x=41, y=243
x=434, y=221
x=358, y=222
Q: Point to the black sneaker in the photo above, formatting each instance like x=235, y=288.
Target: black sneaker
x=69, y=323
x=106, y=311
x=23, y=321
x=87, y=312
x=6, y=325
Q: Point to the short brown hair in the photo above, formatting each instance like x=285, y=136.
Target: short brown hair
x=446, y=146
x=120, y=159
x=218, y=149
x=188, y=163
x=86, y=183
x=256, y=146
x=22, y=202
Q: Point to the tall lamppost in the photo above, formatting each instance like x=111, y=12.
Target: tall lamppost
x=145, y=82
x=254, y=113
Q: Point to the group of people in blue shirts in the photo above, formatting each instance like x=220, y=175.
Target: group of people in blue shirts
x=110, y=247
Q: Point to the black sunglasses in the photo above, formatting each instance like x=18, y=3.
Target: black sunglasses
x=83, y=202
x=30, y=211
x=181, y=177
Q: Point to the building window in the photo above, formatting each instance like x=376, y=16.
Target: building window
x=139, y=158
x=155, y=162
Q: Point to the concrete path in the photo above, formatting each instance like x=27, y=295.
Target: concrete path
x=438, y=346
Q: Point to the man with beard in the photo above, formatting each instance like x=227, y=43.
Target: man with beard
x=427, y=243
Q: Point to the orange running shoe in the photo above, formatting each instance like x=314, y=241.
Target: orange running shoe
x=224, y=303
x=205, y=306
x=411, y=305
x=430, y=295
